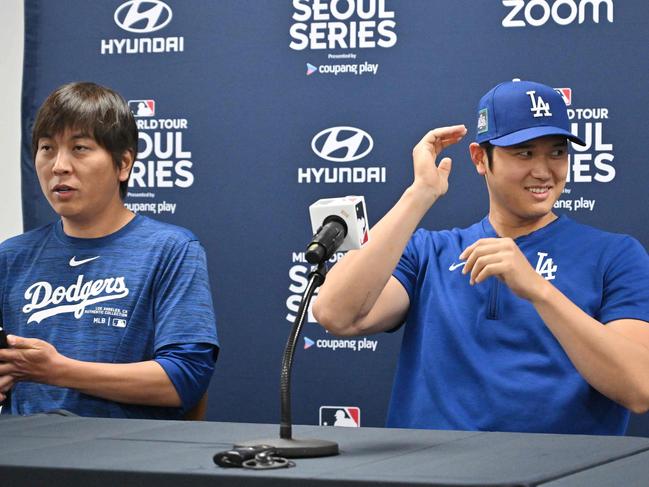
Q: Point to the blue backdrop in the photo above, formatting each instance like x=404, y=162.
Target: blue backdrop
x=230, y=94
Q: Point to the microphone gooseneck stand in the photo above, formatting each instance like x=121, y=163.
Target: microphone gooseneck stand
x=286, y=445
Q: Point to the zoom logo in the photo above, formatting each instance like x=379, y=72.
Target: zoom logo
x=342, y=144
x=563, y=12
x=142, y=16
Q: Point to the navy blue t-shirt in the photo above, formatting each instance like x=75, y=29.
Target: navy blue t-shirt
x=122, y=298
x=480, y=358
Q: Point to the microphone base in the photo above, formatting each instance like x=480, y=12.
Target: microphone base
x=296, y=448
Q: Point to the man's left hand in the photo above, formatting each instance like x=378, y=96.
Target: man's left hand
x=501, y=258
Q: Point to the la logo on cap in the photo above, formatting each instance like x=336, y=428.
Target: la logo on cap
x=539, y=107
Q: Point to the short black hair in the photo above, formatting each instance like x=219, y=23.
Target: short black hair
x=94, y=110
x=489, y=150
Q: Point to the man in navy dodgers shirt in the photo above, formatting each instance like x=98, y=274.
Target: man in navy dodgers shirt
x=108, y=313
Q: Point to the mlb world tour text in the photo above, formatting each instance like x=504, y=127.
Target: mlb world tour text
x=590, y=163
x=162, y=161
x=594, y=160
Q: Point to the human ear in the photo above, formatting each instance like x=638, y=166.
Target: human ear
x=479, y=158
x=126, y=164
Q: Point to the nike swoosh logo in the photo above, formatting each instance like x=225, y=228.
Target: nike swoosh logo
x=452, y=267
x=74, y=262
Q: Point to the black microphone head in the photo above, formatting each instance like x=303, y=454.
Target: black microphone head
x=327, y=240
x=337, y=219
x=315, y=253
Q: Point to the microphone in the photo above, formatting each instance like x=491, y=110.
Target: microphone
x=326, y=240
x=337, y=224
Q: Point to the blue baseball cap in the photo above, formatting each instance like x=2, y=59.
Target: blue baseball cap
x=517, y=111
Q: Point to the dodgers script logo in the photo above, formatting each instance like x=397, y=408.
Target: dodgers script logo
x=73, y=299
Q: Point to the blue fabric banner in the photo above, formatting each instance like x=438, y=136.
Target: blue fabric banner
x=230, y=96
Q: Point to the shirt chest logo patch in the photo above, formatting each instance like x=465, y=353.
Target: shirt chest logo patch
x=45, y=300
x=454, y=266
x=545, y=266
x=74, y=262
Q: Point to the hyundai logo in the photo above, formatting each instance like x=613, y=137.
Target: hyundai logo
x=143, y=16
x=342, y=144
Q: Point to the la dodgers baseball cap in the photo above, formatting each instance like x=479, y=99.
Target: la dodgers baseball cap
x=517, y=111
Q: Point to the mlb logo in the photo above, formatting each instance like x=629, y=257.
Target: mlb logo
x=362, y=222
x=119, y=323
x=566, y=94
x=142, y=108
x=345, y=416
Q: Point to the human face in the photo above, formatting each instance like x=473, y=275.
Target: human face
x=79, y=178
x=525, y=180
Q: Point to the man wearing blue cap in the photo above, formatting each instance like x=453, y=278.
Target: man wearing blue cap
x=524, y=321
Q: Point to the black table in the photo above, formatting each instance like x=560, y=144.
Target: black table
x=55, y=450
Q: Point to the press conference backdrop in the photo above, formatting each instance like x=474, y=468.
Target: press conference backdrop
x=236, y=99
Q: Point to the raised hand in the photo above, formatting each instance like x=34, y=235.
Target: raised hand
x=431, y=178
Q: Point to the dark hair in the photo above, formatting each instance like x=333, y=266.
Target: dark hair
x=489, y=150
x=96, y=111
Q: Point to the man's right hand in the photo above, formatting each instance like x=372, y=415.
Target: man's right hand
x=34, y=360
x=29, y=359
x=431, y=180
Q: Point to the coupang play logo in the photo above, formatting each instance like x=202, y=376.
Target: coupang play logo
x=342, y=25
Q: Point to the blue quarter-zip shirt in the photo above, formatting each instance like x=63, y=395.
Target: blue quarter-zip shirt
x=480, y=358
